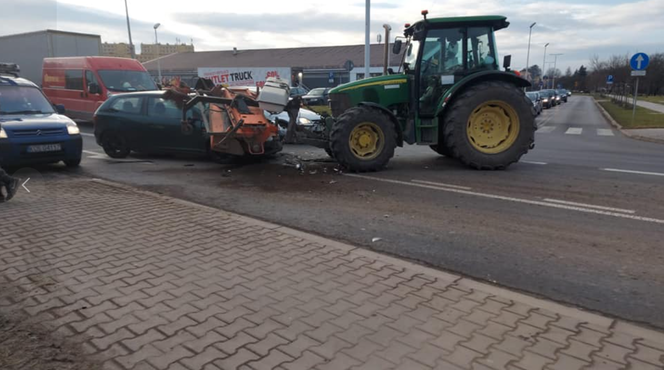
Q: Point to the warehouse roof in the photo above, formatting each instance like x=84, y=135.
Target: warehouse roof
x=320, y=57
x=50, y=31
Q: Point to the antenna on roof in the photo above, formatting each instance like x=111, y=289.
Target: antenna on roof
x=234, y=50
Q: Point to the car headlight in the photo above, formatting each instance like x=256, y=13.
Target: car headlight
x=72, y=129
x=546, y=100
x=304, y=121
x=3, y=134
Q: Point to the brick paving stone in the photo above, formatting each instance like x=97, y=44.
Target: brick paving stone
x=222, y=292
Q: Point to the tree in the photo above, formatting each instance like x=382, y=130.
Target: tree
x=568, y=72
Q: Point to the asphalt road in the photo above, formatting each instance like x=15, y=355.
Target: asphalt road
x=579, y=220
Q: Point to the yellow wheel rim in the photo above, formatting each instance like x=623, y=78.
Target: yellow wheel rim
x=493, y=127
x=366, y=141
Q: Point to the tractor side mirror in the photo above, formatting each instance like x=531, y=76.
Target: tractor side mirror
x=507, y=62
x=396, y=48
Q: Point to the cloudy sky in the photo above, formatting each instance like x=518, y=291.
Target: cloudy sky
x=578, y=29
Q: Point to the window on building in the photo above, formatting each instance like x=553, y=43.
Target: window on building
x=74, y=79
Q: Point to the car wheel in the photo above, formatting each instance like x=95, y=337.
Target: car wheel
x=115, y=145
x=73, y=163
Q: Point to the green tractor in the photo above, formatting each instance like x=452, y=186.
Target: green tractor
x=450, y=95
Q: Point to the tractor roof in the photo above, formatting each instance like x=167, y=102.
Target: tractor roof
x=496, y=21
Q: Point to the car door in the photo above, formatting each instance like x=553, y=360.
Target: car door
x=128, y=120
x=93, y=89
x=165, y=128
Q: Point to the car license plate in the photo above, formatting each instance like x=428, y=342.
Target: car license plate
x=44, y=148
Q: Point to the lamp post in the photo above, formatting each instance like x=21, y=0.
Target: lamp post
x=131, y=44
x=367, y=40
x=555, y=59
x=156, y=45
x=544, y=65
x=530, y=33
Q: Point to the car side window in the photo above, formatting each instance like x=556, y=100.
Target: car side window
x=90, y=79
x=130, y=105
x=158, y=107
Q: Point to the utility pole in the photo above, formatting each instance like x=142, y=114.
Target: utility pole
x=544, y=66
x=553, y=86
x=131, y=44
x=367, y=40
x=528, y=54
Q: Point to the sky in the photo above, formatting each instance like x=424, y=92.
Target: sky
x=576, y=29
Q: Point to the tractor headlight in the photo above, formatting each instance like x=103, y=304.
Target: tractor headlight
x=3, y=134
x=72, y=129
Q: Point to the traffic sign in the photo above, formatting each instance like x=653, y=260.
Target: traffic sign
x=330, y=78
x=638, y=73
x=639, y=61
x=609, y=79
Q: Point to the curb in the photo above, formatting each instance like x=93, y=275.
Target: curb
x=616, y=125
x=558, y=308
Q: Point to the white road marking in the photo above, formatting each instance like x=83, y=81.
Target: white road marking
x=86, y=134
x=634, y=172
x=533, y=162
x=574, y=131
x=604, y=132
x=91, y=152
x=512, y=199
x=589, y=205
x=440, y=184
x=545, y=130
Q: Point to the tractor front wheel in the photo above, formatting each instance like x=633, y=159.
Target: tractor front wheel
x=363, y=139
x=490, y=125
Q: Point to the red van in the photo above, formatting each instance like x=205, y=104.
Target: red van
x=82, y=84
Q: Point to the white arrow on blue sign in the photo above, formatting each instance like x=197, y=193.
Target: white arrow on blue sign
x=639, y=61
x=609, y=79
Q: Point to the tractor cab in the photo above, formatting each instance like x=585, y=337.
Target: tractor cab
x=443, y=51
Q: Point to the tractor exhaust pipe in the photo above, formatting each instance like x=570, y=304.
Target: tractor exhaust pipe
x=386, y=56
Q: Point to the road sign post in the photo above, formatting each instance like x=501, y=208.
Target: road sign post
x=639, y=62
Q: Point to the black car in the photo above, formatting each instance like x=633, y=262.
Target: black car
x=562, y=94
x=548, y=98
x=298, y=91
x=317, y=96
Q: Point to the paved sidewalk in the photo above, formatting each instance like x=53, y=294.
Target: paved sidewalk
x=145, y=282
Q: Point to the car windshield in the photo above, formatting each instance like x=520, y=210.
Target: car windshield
x=317, y=92
x=23, y=100
x=118, y=80
x=532, y=96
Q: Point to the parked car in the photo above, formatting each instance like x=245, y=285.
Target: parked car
x=548, y=98
x=562, y=94
x=317, y=96
x=32, y=129
x=84, y=83
x=535, y=97
x=298, y=91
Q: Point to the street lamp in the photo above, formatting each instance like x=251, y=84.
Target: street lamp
x=555, y=59
x=544, y=65
x=131, y=45
x=367, y=40
x=156, y=45
x=530, y=33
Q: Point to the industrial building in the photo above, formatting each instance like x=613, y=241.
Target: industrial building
x=28, y=50
x=322, y=66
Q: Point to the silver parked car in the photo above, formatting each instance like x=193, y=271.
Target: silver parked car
x=536, y=98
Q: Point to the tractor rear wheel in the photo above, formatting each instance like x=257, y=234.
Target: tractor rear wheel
x=442, y=150
x=490, y=126
x=363, y=139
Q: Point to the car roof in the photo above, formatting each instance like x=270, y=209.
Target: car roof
x=16, y=81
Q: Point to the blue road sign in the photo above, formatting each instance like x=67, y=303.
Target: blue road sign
x=609, y=79
x=331, y=75
x=639, y=61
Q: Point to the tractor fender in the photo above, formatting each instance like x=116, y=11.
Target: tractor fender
x=450, y=94
x=393, y=118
